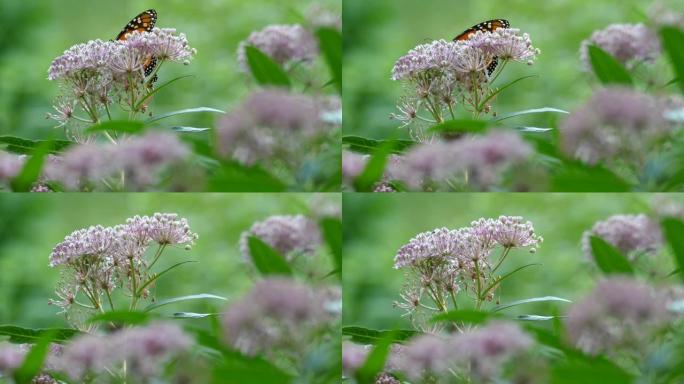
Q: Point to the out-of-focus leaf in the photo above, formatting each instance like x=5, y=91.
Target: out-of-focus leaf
x=332, y=231
x=264, y=69
x=201, y=296
x=192, y=315
x=577, y=177
x=608, y=258
x=235, y=177
x=266, y=259
x=183, y=112
x=330, y=42
x=34, y=359
x=371, y=336
x=368, y=146
x=123, y=317
x=26, y=147
x=190, y=129
x=530, y=300
x=607, y=69
x=119, y=126
x=159, y=88
x=588, y=370
x=674, y=233
x=375, y=168
x=673, y=41
x=375, y=360
x=464, y=316
x=238, y=368
x=19, y=335
x=30, y=173
x=459, y=126
x=535, y=317
x=530, y=112
x=162, y=273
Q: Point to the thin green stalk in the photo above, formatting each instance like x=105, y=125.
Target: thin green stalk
x=134, y=285
x=501, y=259
x=498, y=72
x=109, y=298
x=157, y=254
x=478, y=303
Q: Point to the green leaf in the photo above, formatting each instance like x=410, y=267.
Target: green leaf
x=193, y=315
x=371, y=336
x=119, y=126
x=464, y=316
x=183, y=112
x=264, y=69
x=369, y=146
x=375, y=361
x=460, y=126
x=578, y=177
x=30, y=173
x=607, y=68
x=235, y=177
x=19, y=335
x=162, y=273
x=588, y=370
x=26, y=146
x=674, y=233
x=200, y=296
x=375, y=168
x=190, y=129
x=608, y=258
x=159, y=88
x=673, y=41
x=332, y=232
x=530, y=112
x=535, y=317
x=237, y=368
x=34, y=359
x=330, y=41
x=531, y=300
x=266, y=259
x=122, y=317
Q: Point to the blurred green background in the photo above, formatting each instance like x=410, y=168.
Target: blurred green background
x=376, y=33
x=377, y=225
x=32, y=224
x=34, y=32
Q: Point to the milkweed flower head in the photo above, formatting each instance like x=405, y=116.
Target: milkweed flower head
x=285, y=44
x=633, y=235
x=269, y=127
x=278, y=317
x=615, y=124
x=619, y=313
x=291, y=236
x=628, y=43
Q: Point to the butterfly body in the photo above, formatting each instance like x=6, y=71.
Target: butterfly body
x=144, y=22
x=486, y=26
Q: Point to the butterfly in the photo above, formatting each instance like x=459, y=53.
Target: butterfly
x=144, y=22
x=486, y=26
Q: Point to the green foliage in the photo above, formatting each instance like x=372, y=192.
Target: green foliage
x=673, y=40
x=33, y=361
x=235, y=177
x=25, y=147
x=465, y=316
x=264, y=69
x=118, y=126
x=332, y=232
x=460, y=126
x=608, y=258
x=330, y=41
x=121, y=317
x=607, y=68
x=376, y=359
x=526, y=301
x=374, y=170
x=579, y=177
x=674, y=233
x=173, y=300
x=363, y=335
x=368, y=146
x=31, y=171
x=21, y=335
x=266, y=259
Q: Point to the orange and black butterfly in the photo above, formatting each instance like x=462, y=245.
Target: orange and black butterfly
x=487, y=26
x=144, y=22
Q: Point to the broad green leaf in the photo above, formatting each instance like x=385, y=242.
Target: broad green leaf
x=608, y=258
x=26, y=146
x=235, y=177
x=589, y=370
x=530, y=300
x=673, y=41
x=375, y=361
x=577, y=177
x=460, y=126
x=607, y=68
x=238, y=368
x=162, y=273
x=264, y=69
x=674, y=233
x=369, y=146
x=122, y=317
x=371, y=336
x=172, y=300
x=332, y=231
x=330, y=42
x=266, y=259
x=30, y=173
x=375, y=168
x=183, y=112
x=193, y=315
x=464, y=316
x=159, y=88
x=530, y=112
x=19, y=335
x=190, y=129
x=33, y=362
x=119, y=126
x=534, y=129
x=535, y=317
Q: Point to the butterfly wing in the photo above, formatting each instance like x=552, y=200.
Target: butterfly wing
x=144, y=22
x=487, y=26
